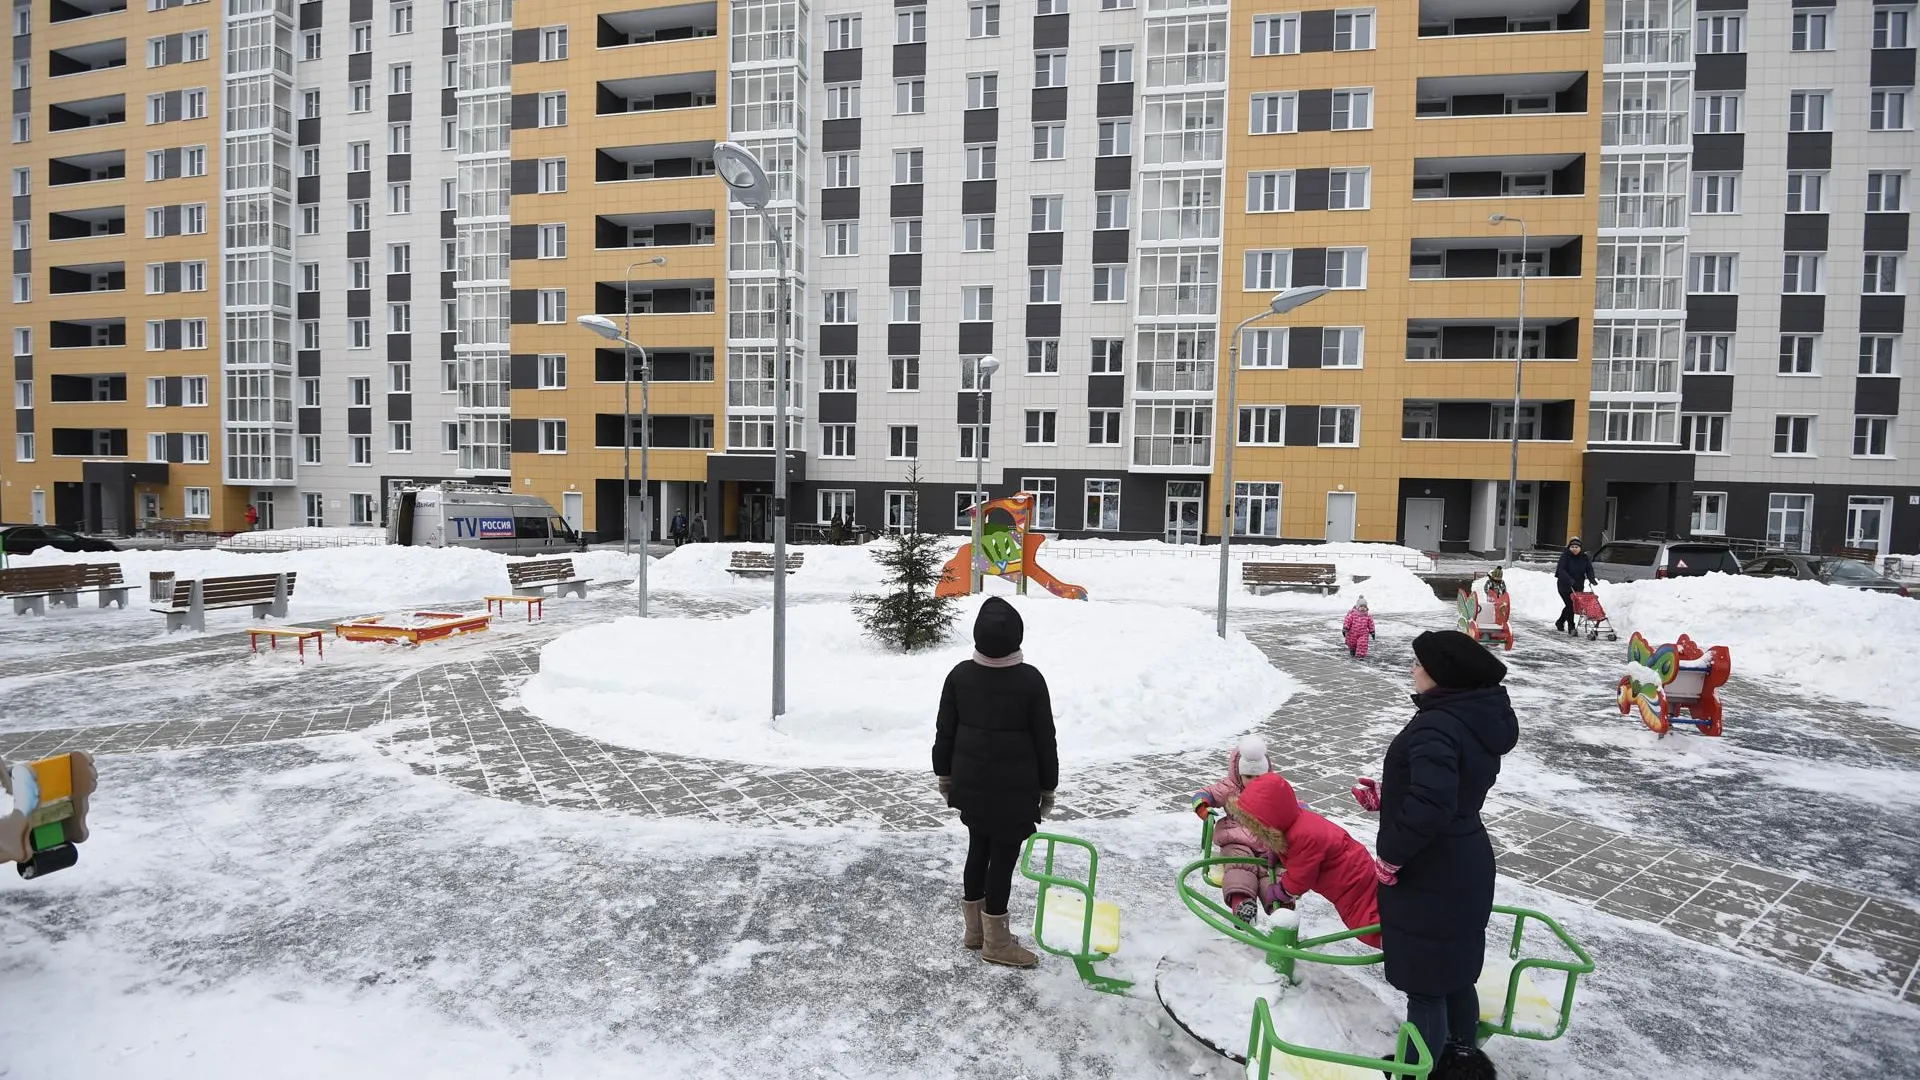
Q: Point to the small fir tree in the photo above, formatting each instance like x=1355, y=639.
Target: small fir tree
x=909, y=615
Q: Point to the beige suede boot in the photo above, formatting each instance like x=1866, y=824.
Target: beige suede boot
x=971, y=908
x=1001, y=947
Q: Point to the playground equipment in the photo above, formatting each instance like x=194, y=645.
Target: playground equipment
x=413, y=627
x=1666, y=682
x=1500, y=631
x=1006, y=550
x=1590, y=618
x=1206, y=994
x=49, y=812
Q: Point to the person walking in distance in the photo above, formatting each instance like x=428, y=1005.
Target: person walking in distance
x=253, y=517
x=996, y=761
x=1573, y=574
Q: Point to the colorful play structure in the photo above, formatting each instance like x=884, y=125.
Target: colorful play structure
x=1664, y=683
x=49, y=812
x=1500, y=631
x=1008, y=550
x=1086, y=930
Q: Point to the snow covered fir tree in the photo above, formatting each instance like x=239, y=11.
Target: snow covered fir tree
x=910, y=614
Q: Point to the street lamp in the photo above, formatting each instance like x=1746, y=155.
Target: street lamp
x=605, y=327
x=1519, y=355
x=748, y=184
x=983, y=370
x=1282, y=302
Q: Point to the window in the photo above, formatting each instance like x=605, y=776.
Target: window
x=1256, y=509
x=400, y=79
x=360, y=213
x=1352, y=110
x=843, y=32
x=553, y=42
x=1269, y=192
x=1263, y=425
x=1703, y=433
x=1108, y=355
x=1709, y=513
x=1793, y=435
x=904, y=373
x=1710, y=273
x=1797, y=354
x=1048, y=210
x=359, y=333
x=551, y=305
x=360, y=36
x=1043, y=285
x=1103, y=427
x=903, y=441
x=449, y=376
x=400, y=436
x=1716, y=114
x=553, y=371
x=1801, y=273
x=399, y=377
x=836, y=440
x=553, y=175
x=399, y=198
x=1043, y=356
x=1115, y=138
x=1872, y=436
x=450, y=437
x=359, y=449
x=1887, y=110
x=310, y=393
x=1275, y=114
x=1042, y=427
x=1807, y=110
x=1347, y=268
x=982, y=162
x=310, y=105
x=1877, y=352
x=837, y=373
x=361, y=506
x=907, y=236
x=359, y=156
x=843, y=171
x=843, y=101
x=1339, y=425
x=1718, y=34
x=156, y=447
x=983, y=20
x=1707, y=354
x=977, y=233
x=1886, y=192
x=1342, y=346
x=199, y=502
x=1116, y=64
x=983, y=91
x=310, y=45
x=835, y=503
x=1892, y=28
x=1110, y=210
x=1806, y=193
x=1264, y=348
x=840, y=306
x=553, y=436
x=1049, y=69
x=1352, y=30
x=314, y=509
x=909, y=26
x=1789, y=521
x=359, y=273
x=1103, y=506
x=400, y=318
x=1051, y=7
x=1276, y=35
x=360, y=97
x=976, y=303
x=399, y=138
x=1049, y=142
x=553, y=109
x=903, y=511
x=1810, y=30
x=1715, y=193
x=843, y=239
x=905, y=305
x=1267, y=271
x=909, y=166
x=23, y=394
x=1881, y=275
x=1110, y=284
x=909, y=97
x=22, y=180
x=360, y=391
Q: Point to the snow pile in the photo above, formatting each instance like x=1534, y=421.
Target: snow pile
x=1807, y=636
x=1126, y=679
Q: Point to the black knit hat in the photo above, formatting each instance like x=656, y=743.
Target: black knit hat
x=998, y=629
x=1457, y=662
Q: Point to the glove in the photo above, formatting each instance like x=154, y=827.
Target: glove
x=1366, y=792
x=1385, y=872
x=1203, y=805
x=1375, y=634
x=1046, y=804
x=945, y=783
x=1275, y=895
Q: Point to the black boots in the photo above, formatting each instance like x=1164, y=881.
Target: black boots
x=1458, y=1062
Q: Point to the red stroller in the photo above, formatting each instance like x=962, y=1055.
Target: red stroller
x=1590, y=618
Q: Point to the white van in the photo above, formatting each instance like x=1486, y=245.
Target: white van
x=477, y=516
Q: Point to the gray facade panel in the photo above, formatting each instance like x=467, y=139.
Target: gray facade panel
x=1720, y=71
x=1043, y=320
x=1302, y=424
x=840, y=65
x=360, y=67
x=1046, y=249
x=1050, y=31
x=839, y=340
x=1713, y=314
x=1719, y=153
x=306, y=190
x=307, y=131
x=1883, y=314
x=523, y=371
x=399, y=108
x=1316, y=110
x=906, y=200
x=1106, y=391
x=1885, y=232
x=1804, y=232
x=1050, y=104
x=980, y=126
x=359, y=421
x=903, y=339
x=1706, y=393
x=978, y=196
x=1112, y=173
x=399, y=167
x=903, y=271
x=838, y=136
x=307, y=363
x=1890, y=67
x=1111, y=246
x=837, y=407
x=309, y=421
x=1303, y=347
x=359, y=303
x=976, y=338
x=1113, y=99
x=1876, y=396
x=359, y=185
x=399, y=286
x=399, y=407
x=840, y=204
x=1803, y=314
x=1810, y=150
x=1316, y=31
x=910, y=60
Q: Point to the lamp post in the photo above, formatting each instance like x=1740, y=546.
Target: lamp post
x=748, y=184
x=1519, y=355
x=605, y=327
x=983, y=370
x=1281, y=303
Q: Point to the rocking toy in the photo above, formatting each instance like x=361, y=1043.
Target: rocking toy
x=1672, y=680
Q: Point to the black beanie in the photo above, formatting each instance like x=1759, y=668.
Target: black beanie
x=998, y=629
x=1457, y=662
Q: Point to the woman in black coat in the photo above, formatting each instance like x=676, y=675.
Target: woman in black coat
x=1432, y=856
x=996, y=762
x=1571, y=574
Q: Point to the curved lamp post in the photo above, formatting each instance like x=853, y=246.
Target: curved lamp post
x=1519, y=354
x=983, y=370
x=605, y=327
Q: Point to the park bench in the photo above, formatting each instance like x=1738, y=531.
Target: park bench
x=760, y=563
x=30, y=587
x=532, y=576
x=1262, y=578
x=266, y=594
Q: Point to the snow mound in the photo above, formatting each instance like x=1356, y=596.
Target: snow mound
x=1126, y=679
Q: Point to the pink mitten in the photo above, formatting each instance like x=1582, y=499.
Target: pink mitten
x=1274, y=895
x=1385, y=872
x=1366, y=792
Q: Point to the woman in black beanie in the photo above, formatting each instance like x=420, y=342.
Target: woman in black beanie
x=1432, y=856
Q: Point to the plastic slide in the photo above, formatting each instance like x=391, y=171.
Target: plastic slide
x=1030, y=566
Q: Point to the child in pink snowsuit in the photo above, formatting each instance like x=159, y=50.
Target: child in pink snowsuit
x=1243, y=882
x=1358, y=629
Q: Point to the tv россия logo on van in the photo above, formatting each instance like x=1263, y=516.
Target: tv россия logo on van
x=484, y=528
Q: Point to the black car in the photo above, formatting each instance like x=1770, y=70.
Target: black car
x=1846, y=573
x=26, y=539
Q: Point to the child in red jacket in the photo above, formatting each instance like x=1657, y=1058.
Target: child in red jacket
x=1314, y=854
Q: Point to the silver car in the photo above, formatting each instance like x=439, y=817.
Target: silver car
x=1640, y=560
x=1846, y=573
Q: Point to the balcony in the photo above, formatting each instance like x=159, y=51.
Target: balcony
x=60, y=11
x=669, y=432
x=675, y=228
x=1554, y=92
x=89, y=442
x=1475, y=421
x=1469, y=257
x=656, y=93
x=669, y=365
x=87, y=333
x=89, y=112
x=1459, y=18
x=1492, y=339
x=81, y=59
x=689, y=296
x=83, y=389
x=648, y=26
x=661, y=161
x=80, y=224
x=87, y=278
x=87, y=168
x=1506, y=176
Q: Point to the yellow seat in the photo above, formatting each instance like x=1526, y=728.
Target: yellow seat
x=1217, y=876
x=1532, y=1009
x=1294, y=1068
x=1066, y=916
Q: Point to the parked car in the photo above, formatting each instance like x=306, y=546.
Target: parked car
x=25, y=539
x=1639, y=560
x=1846, y=573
